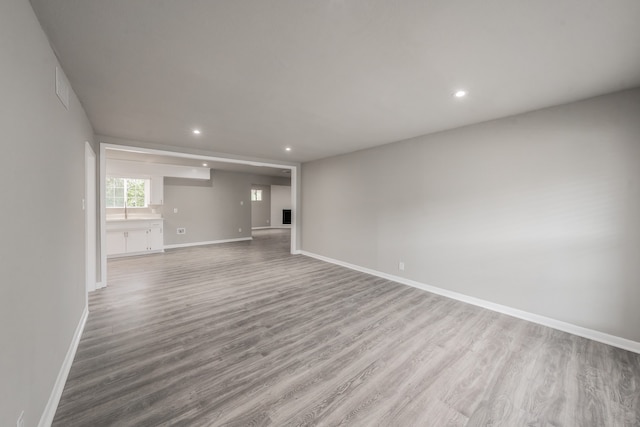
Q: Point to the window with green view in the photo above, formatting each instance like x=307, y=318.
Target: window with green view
x=129, y=191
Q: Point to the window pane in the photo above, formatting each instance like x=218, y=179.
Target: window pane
x=115, y=182
x=256, y=195
x=135, y=192
x=129, y=191
x=114, y=203
x=114, y=192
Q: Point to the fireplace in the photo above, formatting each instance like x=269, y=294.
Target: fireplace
x=286, y=216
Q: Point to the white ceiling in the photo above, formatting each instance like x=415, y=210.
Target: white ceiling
x=331, y=76
x=168, y=159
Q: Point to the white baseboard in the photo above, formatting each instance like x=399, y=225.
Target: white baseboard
x=126, y=254
x=271, y=227
x=591, y=334
x=99, y=285
x=211, y=242
x=54, y=398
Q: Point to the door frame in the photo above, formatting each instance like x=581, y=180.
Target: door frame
x=90, y=217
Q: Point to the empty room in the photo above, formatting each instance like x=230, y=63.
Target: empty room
x=328, y=213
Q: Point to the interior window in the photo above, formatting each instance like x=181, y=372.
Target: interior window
x=256, y=195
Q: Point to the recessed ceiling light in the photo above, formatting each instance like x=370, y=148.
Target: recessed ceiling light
x=205, y=165
x=460, y=94
x=196, y=132
x=287, y=149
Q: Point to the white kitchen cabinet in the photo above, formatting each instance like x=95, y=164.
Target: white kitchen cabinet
x=134, y=237
x=137, y=240
x=156, y=194
x=116, y=243
x=155, y=238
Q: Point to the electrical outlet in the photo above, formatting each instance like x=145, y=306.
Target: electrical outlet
x=241, y=202
x=401, y=266
x=181, y=231
x=267, y=221
x=239, y=230
x=175, y=210
x=20, y=421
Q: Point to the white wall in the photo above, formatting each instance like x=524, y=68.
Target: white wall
x=280, y=199
x=42, y=261
x=261, y=209
x=539, y=212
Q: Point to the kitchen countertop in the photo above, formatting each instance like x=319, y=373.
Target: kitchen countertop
x=146, y=218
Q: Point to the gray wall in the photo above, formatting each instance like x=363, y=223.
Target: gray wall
x=42, y=277
x=539, y=212
x=210, y=210
x=261, y=209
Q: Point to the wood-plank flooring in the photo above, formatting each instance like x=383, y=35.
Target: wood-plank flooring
x=246, y=334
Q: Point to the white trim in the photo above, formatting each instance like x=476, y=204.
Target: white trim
x=103, y=214
x=217, y=157
x=296, y=209
x=90, y=221
x=591, y=334
x=100, y=285
x=54, y=398
x=210, y=242
x=274, y=227
x=126, y=254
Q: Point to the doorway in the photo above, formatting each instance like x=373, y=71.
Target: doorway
x=216, y=162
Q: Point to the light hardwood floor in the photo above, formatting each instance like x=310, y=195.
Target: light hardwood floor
x=246, y=334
